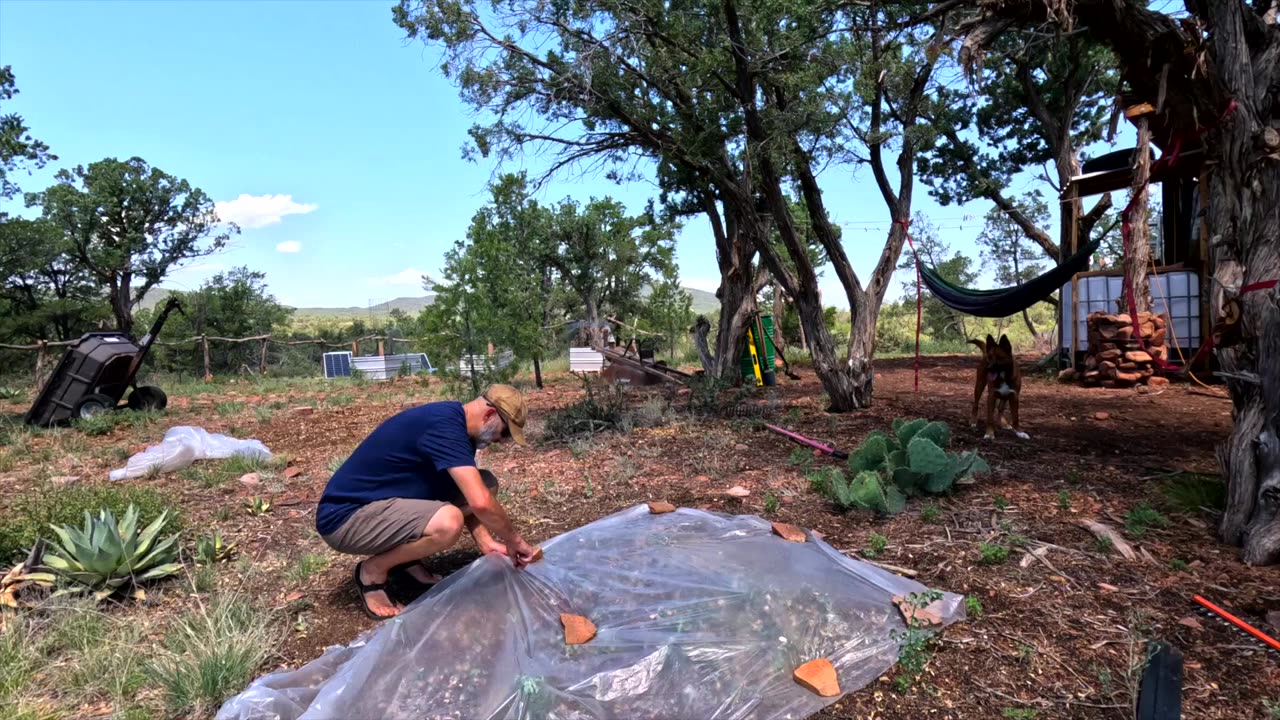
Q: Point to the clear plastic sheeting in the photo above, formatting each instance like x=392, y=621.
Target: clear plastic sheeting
x=183, y=445
x=699, y=615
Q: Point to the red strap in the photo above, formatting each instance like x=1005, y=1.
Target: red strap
x=906, y=229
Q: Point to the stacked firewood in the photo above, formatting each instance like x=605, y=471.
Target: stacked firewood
x=1115, y=358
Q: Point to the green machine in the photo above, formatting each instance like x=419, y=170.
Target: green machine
x=758, y=355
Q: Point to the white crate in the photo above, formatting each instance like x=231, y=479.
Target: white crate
x=1179, y=289
x=585, y=359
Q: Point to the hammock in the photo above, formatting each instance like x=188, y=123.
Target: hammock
x=1003, y=302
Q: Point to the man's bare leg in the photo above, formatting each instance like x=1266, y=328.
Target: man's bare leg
x=441, y=533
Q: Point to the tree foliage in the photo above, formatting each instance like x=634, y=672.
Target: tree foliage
x=937, y=320
x=129, y=225
x=19, y=151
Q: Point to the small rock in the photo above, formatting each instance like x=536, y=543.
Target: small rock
x=304, y=410
x=1104, y=587
x=537, y=554
x=293, y=596
x=740, y=447
x=250, y=479
x=818, y=453
x=1191, y=622
x=819, y=676
x=577, y=629
x=1156, y=381
x=929, y=615
x=1137, y=356
x=1067, y=375
x=702, y=479
x=292, y=472
x=1057, y=578
x=786, y=499
x=789, y=532
x=1102, y=415
x=659, y=507
x=65, y=480
x=737, y=491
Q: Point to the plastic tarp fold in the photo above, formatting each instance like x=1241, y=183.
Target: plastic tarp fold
x=183, y=445
x=699, y=615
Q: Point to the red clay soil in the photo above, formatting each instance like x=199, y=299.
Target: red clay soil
x=1060, y=632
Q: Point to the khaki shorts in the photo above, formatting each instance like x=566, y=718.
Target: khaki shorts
x=386, y=524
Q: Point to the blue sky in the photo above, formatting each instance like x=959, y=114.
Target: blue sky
x=328, y=137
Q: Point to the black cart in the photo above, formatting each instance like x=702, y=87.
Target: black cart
x=94, y=374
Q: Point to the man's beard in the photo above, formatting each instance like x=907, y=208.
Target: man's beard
x=488, y=436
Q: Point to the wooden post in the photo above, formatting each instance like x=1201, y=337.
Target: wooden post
x=41, y=362
x=204, y=341
x=355, y=347
x=382, y=347
x=1138, y=258
x=262, y=361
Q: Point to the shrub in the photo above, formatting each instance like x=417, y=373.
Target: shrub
x=1142, y=518
x=993, y=553
x=599, y=411
x=29, y=516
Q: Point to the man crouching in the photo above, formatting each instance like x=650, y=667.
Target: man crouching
x=412, y=485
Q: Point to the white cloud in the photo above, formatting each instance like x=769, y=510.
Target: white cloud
x=408, y=276
x=289, y=246
x=254, y=211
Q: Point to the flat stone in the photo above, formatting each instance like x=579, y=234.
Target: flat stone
x=659, y=507
x=1102, y=415
x=928, y=615
x=737, y=491
x=819, y=677
x=1104, y=587
x=250, y=479
x=789, y=532
x=741, y=447
x=1067, y=375
x=292, y=472
x=1191, y=622
x=65, y=480
x=1156, y=381
x=304, y=410
x=577, y=629
x=1137, y=356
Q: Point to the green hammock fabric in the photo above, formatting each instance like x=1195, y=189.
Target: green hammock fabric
x=1003, y=302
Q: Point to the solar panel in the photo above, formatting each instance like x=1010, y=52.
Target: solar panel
x=337, y=364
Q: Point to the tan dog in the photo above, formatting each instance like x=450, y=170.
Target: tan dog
x=998, y=373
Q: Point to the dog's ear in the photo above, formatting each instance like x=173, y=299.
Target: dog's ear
x=991, y=342
x=1005, y=344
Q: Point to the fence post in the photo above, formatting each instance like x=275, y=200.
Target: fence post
x=382, y=348
x=355, y=347
x=41, y=361
x=204, y=340
x=262, y=362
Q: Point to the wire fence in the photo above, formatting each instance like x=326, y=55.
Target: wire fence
x=200, y=355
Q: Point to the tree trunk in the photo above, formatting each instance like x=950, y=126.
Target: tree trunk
x=537, y=372
x=779, y=311
x=1244, y=219
x=594, y=337
x=1030, y=326
x=1138, y=255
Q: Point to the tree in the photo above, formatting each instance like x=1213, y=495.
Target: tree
x=607, y=258
x=611, y=85
x=669, y=311
x=1213, y=79
x=232, y=304
x=1042, y=100
x=938, y=321
x=18, y=149
x=1006, y=250
x=130, y=224
x=735, y=103
x=44, y=294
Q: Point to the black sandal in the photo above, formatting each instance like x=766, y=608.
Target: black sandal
x=365, y=589
x=403, y=576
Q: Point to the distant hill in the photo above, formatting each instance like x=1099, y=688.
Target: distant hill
x=703, y=302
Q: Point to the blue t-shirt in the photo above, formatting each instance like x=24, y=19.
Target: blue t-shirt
x=407, y=456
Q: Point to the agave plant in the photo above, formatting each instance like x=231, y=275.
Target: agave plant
x=106, y=555
x=211, y=549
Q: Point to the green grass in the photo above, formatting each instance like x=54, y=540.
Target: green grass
x=238, y=465
x=19, y=659
x=1178, y=565
x=993, y=553
x=1064, y=500
x=106, y=422
x=1139, y=520
x=1191, y=493
x=1021, y=713
x=930, y=513
x=28, y=516
x=305, y=567
x=228, y=407
x=770, y=503
x=1000, y=502
x=339, y=400
x=205, y=579
x=210, y=653
x=205, y=475
x=876, y=545
x=336, y=461
x=263, y=413
x=973, y=606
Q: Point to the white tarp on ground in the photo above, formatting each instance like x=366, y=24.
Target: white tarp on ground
x=699, y=615
x=183, y=445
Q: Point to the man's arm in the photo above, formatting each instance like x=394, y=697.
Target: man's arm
x=484, y=539
x=486, y=507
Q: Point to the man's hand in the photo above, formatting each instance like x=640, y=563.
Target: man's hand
x=520, y=552
x=489, y=546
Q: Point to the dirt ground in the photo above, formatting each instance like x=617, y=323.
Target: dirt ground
x=1059, y=635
